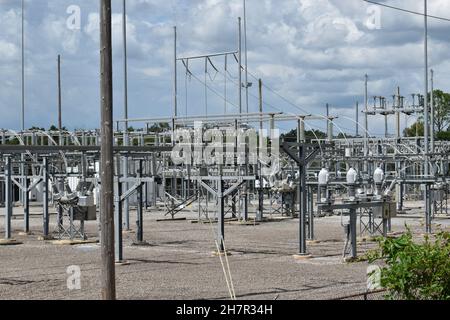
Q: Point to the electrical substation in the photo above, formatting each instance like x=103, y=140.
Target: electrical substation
x=219, y=206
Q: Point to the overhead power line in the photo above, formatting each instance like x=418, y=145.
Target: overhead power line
x=406, y=10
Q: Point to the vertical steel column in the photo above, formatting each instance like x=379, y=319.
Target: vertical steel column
x=245, y=57
x=139, y=214
x=260, y=211
x=155, y=185
x=299, y=189
x=353, y=218
x=126, y=203
x=46, y=216
x=118, y=220
x=188, y=182
x=221, y=215
x=175, y=74
x=303, y=199
x=366, y=123
x=397, y=114
x=432, y=112
x=23, y=65
x=428, y=215
x=59, y=98
x=240, y=65
x=8, y=198
x=386, y=129
x=398, y=165
x=26, y=205
x=311, y=214
x=426, y=108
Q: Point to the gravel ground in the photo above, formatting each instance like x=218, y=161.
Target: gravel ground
x=178, y=263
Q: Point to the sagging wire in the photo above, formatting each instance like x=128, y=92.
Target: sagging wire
x=214, y=67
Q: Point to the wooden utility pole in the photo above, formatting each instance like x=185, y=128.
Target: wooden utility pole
x=108, y=280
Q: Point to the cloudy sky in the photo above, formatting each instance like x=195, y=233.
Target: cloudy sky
x=311, y=52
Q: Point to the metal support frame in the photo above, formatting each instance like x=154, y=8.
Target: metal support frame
x=8, y=198
x=46, y=215
x=302, y=159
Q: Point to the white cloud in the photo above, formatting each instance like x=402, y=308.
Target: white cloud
x=153, y=72
x=311, y=51
x=8, y=51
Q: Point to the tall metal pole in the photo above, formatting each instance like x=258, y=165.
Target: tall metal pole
x=8, y=198
x=59, y=96
x=426, y=110
x=302, y=201
x=240, y=64
x=432, y=111
x=125, y=66
x=366, y=122
x=22, y=194
x=107, y=161
x=126, y=204
x=397, y=114
x=46, y=191
x=245, y=57
x=23, y=66
x=260, y=106
x=175, y=76
x=357, y=119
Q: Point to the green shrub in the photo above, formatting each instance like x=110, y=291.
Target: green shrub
x=415, y=271
x=443, y=135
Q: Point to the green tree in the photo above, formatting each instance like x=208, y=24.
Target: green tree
x=443, y=135
x=55, y=128
x=159, y=127
x=417, y=129
x=441, y=109
x=309, y=134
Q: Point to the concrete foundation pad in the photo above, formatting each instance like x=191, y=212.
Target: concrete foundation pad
x=206, y=221
x=171, y=219
x=73, y=242
x=300, y=257
x=275, y=219
x=221, y=254
x=141, y=244
x=45, y=238
x=9, y=242
x=122, y=263
x=23, y=234
x=243, y=223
